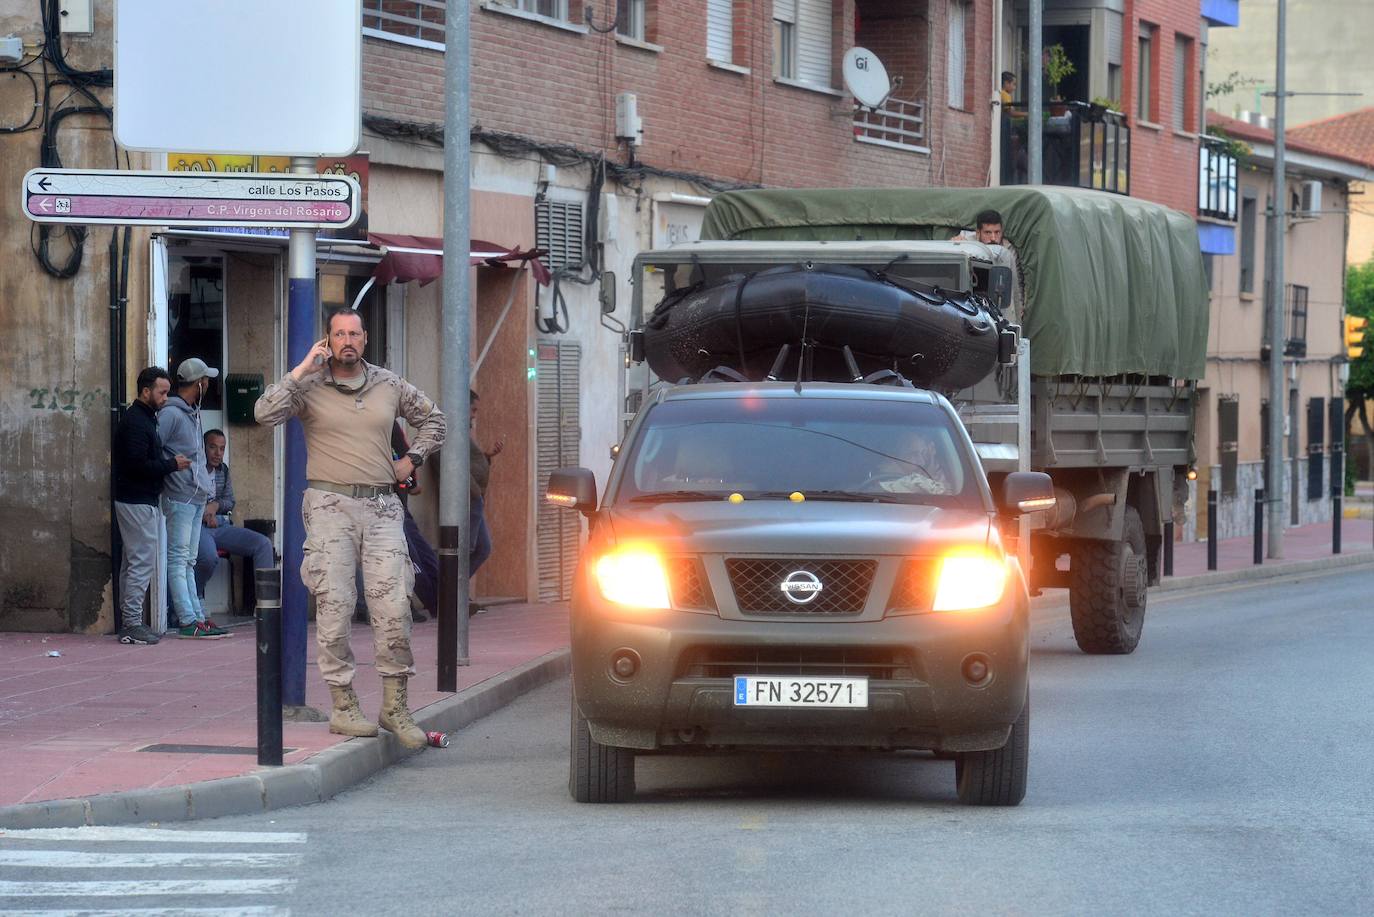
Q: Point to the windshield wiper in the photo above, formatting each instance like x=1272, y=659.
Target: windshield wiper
x=837, y=496
x=678, y=496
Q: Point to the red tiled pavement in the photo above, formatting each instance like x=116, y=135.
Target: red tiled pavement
x=72, y=725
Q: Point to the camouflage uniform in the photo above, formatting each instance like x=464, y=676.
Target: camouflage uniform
x=348, y=441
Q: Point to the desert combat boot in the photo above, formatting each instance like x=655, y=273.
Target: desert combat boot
x=347, y=718
x=396, y=716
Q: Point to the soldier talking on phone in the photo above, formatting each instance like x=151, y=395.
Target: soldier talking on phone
x=352, y=513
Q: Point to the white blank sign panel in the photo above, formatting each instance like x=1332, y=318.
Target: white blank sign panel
x=271, y=77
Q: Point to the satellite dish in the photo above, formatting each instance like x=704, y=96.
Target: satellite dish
x=865, y=77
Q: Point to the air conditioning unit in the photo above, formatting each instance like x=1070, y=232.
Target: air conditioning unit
x=628, y=125
x=1311, y=197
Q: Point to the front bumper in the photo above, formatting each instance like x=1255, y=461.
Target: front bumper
x=682, y=693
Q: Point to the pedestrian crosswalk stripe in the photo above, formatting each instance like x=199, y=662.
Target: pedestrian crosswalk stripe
x=146, y=888
x=80, y=859
x=152, y=835
x=160, y=912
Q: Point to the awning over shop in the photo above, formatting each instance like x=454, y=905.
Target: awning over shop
x=421, y=258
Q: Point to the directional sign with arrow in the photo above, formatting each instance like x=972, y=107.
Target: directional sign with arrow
x=191, y=198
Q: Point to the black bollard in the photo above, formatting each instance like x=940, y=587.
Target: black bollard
x=1168, y=549
x=1211, y=530
x=1259, y=525
x=267, y=584
x=1335, y=519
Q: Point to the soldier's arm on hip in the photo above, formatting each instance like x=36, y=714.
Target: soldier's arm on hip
x=424, y=415
x=282, y=401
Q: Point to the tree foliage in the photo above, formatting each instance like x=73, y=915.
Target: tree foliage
x=1359, y=300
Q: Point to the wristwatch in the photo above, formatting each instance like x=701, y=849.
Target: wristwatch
x=416, y=458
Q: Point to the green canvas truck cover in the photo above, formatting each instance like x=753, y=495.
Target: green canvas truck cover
x=1113, y=284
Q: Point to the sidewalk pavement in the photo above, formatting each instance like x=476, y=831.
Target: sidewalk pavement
x=76, y=728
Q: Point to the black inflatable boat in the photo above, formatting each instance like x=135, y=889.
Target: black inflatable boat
x=935, y=338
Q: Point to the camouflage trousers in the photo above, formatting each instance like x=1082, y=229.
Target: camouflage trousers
x=340, y=533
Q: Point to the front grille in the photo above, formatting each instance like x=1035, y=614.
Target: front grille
x=758, y=585
x=688, y=583
x=877, y=662
x=914, y=590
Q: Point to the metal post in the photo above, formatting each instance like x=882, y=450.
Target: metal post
x=1278, y=397
x=455, y=375
x=1168, y=549
x=1035, y=101
x=1211, y=530
x=267, y=589
x=1335, y=520
x=302, y=320
x=1259, y=525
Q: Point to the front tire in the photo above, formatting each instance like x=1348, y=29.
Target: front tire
x=596, y=772
x=1107, y=590
x=996, y=778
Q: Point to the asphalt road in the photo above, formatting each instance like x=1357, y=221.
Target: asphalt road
x=1226, y=767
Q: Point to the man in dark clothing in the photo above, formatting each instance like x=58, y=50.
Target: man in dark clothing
x=480, y=471
x=139, y=470
x=218, y=532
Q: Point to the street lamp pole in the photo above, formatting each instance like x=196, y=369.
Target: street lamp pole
x=1035, y=102
x=455, y=372
x=1278, y=401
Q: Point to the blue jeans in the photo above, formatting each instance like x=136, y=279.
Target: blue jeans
x=234, y=540
x=183, y=542
x=480, y=535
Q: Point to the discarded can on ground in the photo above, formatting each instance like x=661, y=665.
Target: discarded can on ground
x=437, y=739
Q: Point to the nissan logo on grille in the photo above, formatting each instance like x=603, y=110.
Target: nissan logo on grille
x=801, y=587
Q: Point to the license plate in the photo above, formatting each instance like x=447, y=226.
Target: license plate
x=800, y=691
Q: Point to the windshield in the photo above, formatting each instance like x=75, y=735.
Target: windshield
x=825, y=448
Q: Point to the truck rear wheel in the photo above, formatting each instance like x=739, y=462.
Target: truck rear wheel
x=596, y=772
x=1107, y=590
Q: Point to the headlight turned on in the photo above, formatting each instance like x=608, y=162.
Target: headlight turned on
x=633, y=575
x=970, y=580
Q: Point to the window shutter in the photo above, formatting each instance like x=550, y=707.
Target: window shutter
x=558, y=435
x=720, y=30
x=956, y=54
x=813, y=41
x=1180, y=81
x=786, y=10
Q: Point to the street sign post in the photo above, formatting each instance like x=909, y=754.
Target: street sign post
x=191, y=198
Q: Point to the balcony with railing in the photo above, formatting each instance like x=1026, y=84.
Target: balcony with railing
x=897, y=123
x=1083, y=146
x=415, y=22
x=1217, y=178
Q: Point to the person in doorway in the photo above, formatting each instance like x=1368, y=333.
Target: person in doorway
x=185, y=496
x=480, y=470
x=140, y=469
x=217, y=529
x=1008, y=91
x=351, y=510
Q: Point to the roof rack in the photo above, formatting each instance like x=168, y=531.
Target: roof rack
x=730, y=374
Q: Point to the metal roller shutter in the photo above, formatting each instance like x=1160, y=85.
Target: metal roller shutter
x=720, y=31
x=814, y=29
x=558, y=434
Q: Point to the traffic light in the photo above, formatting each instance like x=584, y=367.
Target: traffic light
x=1355, y=326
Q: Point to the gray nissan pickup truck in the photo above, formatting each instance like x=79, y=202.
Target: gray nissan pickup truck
x=783, y=565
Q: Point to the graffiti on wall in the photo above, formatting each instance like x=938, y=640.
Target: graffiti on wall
x=69, y=400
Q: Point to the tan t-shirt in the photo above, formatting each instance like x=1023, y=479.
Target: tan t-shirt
x=348, y=423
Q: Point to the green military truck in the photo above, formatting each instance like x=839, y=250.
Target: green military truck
x=1099, y=318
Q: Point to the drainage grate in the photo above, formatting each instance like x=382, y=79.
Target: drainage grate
x=207, y=749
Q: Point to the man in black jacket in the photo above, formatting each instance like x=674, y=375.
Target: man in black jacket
x=139, y=469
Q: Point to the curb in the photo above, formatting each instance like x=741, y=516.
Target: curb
x=1059, y=600
x=320, y=777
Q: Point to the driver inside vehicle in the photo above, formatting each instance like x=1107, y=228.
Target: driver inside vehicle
x=913, y=466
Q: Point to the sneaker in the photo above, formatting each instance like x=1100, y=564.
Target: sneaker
x=197, y=630
x=213, y=628
x=138, y=635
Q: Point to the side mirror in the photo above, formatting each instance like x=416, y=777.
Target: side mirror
x=607, y=292
x=572, y=488
x=999, y=286
x=1027, y=492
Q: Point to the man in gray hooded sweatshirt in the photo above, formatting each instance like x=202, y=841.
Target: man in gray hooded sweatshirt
x=184, y=495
